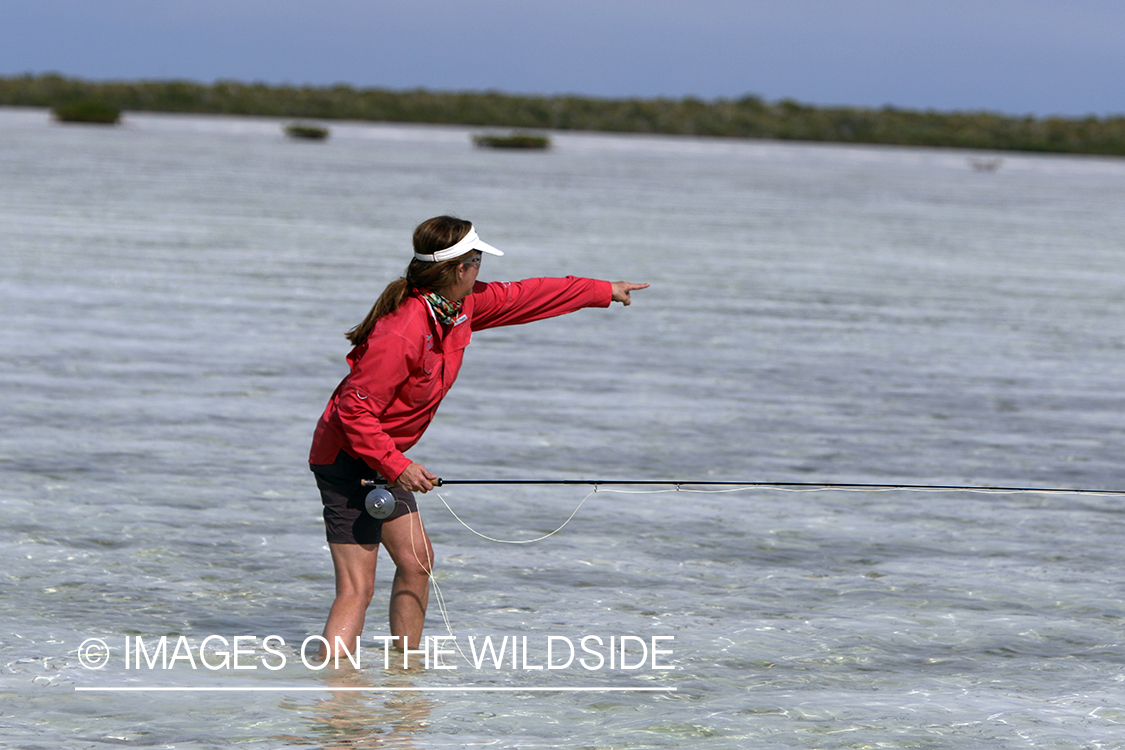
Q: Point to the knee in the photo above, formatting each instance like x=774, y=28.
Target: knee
x=413, y=567
x=357, y=591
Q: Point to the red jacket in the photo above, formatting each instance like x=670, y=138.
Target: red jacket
x=404, y=368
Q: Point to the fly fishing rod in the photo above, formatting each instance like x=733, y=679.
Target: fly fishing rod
x=381, y=503
x=782, y=485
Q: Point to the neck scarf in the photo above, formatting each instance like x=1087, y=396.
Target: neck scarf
x=447, y=312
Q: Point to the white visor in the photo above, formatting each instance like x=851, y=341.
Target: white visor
x=470, y=241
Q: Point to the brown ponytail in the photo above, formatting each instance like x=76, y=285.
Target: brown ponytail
x=431, y=236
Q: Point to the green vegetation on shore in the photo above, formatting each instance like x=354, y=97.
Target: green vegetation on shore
x=748, y=117
x=87, y=111
x=516, y=141
x=306, y=132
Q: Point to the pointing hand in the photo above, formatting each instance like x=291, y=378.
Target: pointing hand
x=621, y=291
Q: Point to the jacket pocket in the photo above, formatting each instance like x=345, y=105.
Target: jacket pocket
x=425, y=382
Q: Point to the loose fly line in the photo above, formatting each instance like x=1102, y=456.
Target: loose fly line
x=736, y=486
x=718, y=486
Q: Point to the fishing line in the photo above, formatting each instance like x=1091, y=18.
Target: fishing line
x=735, y=486
x=684, y=486
x=439, y=598
x=516, y=541
x=428, y=566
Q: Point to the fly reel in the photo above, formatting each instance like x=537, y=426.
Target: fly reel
x=380, y=503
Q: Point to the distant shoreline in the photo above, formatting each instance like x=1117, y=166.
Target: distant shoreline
x=748, y=117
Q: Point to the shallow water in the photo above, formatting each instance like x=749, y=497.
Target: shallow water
x=174, y=293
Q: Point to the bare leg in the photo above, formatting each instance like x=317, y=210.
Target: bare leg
x=409, y=547
x=355, y=585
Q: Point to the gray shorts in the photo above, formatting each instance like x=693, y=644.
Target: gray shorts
x=346, y=520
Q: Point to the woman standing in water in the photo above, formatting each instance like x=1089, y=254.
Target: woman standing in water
x=408, y=351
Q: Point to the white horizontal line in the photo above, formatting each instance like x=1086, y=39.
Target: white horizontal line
x=302, y=689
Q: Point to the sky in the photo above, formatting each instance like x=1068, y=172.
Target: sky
x=1038, y=57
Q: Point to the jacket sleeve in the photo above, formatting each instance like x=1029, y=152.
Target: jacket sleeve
x=376, y=377
x=509, y=303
